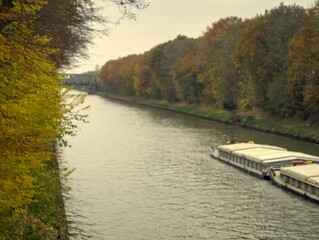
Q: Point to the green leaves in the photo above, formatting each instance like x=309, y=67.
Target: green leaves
x=303, y=85
x=262, y=56
x=37, y=37
x=32, y=108
x=269, y=63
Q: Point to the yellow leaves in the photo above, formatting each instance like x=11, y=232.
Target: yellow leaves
x=32, y=121
x=27, y=8
x=30, y=114
x=17, y=186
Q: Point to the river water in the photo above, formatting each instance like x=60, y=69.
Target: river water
x=146, y=174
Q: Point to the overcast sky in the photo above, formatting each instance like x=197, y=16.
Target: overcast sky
x=163, y=20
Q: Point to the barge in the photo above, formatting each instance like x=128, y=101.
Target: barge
x=258, y=159
x=302, y=180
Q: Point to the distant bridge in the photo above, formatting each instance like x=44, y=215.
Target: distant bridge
x=80, y=80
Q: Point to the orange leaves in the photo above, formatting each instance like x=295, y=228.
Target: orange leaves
x=303, y=82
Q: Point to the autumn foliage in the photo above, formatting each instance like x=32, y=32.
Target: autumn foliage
x=30, y=124
x=37, y=38
x=269, y=62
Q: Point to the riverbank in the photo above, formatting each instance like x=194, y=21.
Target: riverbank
x=292, y=128
x=62, y=226
x=45, y=217
x=144, y=173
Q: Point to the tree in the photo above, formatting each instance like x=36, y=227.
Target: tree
x=165, y=56
x=304, y=70
x=261, y=56
x=68, y=24
x=29, y=122
x=184, y=75
x=154, y=62
x=34, y=114
x=222, y=78
x=284, y=23
x=142, y=79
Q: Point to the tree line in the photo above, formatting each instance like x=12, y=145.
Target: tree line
x=37, y=39
x=269, y=62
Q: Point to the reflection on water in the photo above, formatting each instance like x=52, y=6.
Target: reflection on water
x=143, y=173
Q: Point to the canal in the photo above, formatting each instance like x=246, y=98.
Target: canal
x=146, y=174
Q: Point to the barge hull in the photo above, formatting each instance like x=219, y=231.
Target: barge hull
x=243, y=169
x=276, y=180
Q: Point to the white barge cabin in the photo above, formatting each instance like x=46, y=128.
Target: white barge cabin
x=257, y=158
x=303, y=180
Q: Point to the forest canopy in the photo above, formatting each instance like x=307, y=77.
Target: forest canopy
x=269, y=62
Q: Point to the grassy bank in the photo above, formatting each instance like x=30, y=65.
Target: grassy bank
x=253, y=120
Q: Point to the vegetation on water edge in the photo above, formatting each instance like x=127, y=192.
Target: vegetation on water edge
x=265, y=64
x=44, y=217
x=37, y=39
x=34, y=117
x=271, y=124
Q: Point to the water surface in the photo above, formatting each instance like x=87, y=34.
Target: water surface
x=142, y=173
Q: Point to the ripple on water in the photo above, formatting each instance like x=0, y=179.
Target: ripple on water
x=146, y=174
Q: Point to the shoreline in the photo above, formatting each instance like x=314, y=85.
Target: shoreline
x=298, y=132
x=63, y=232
